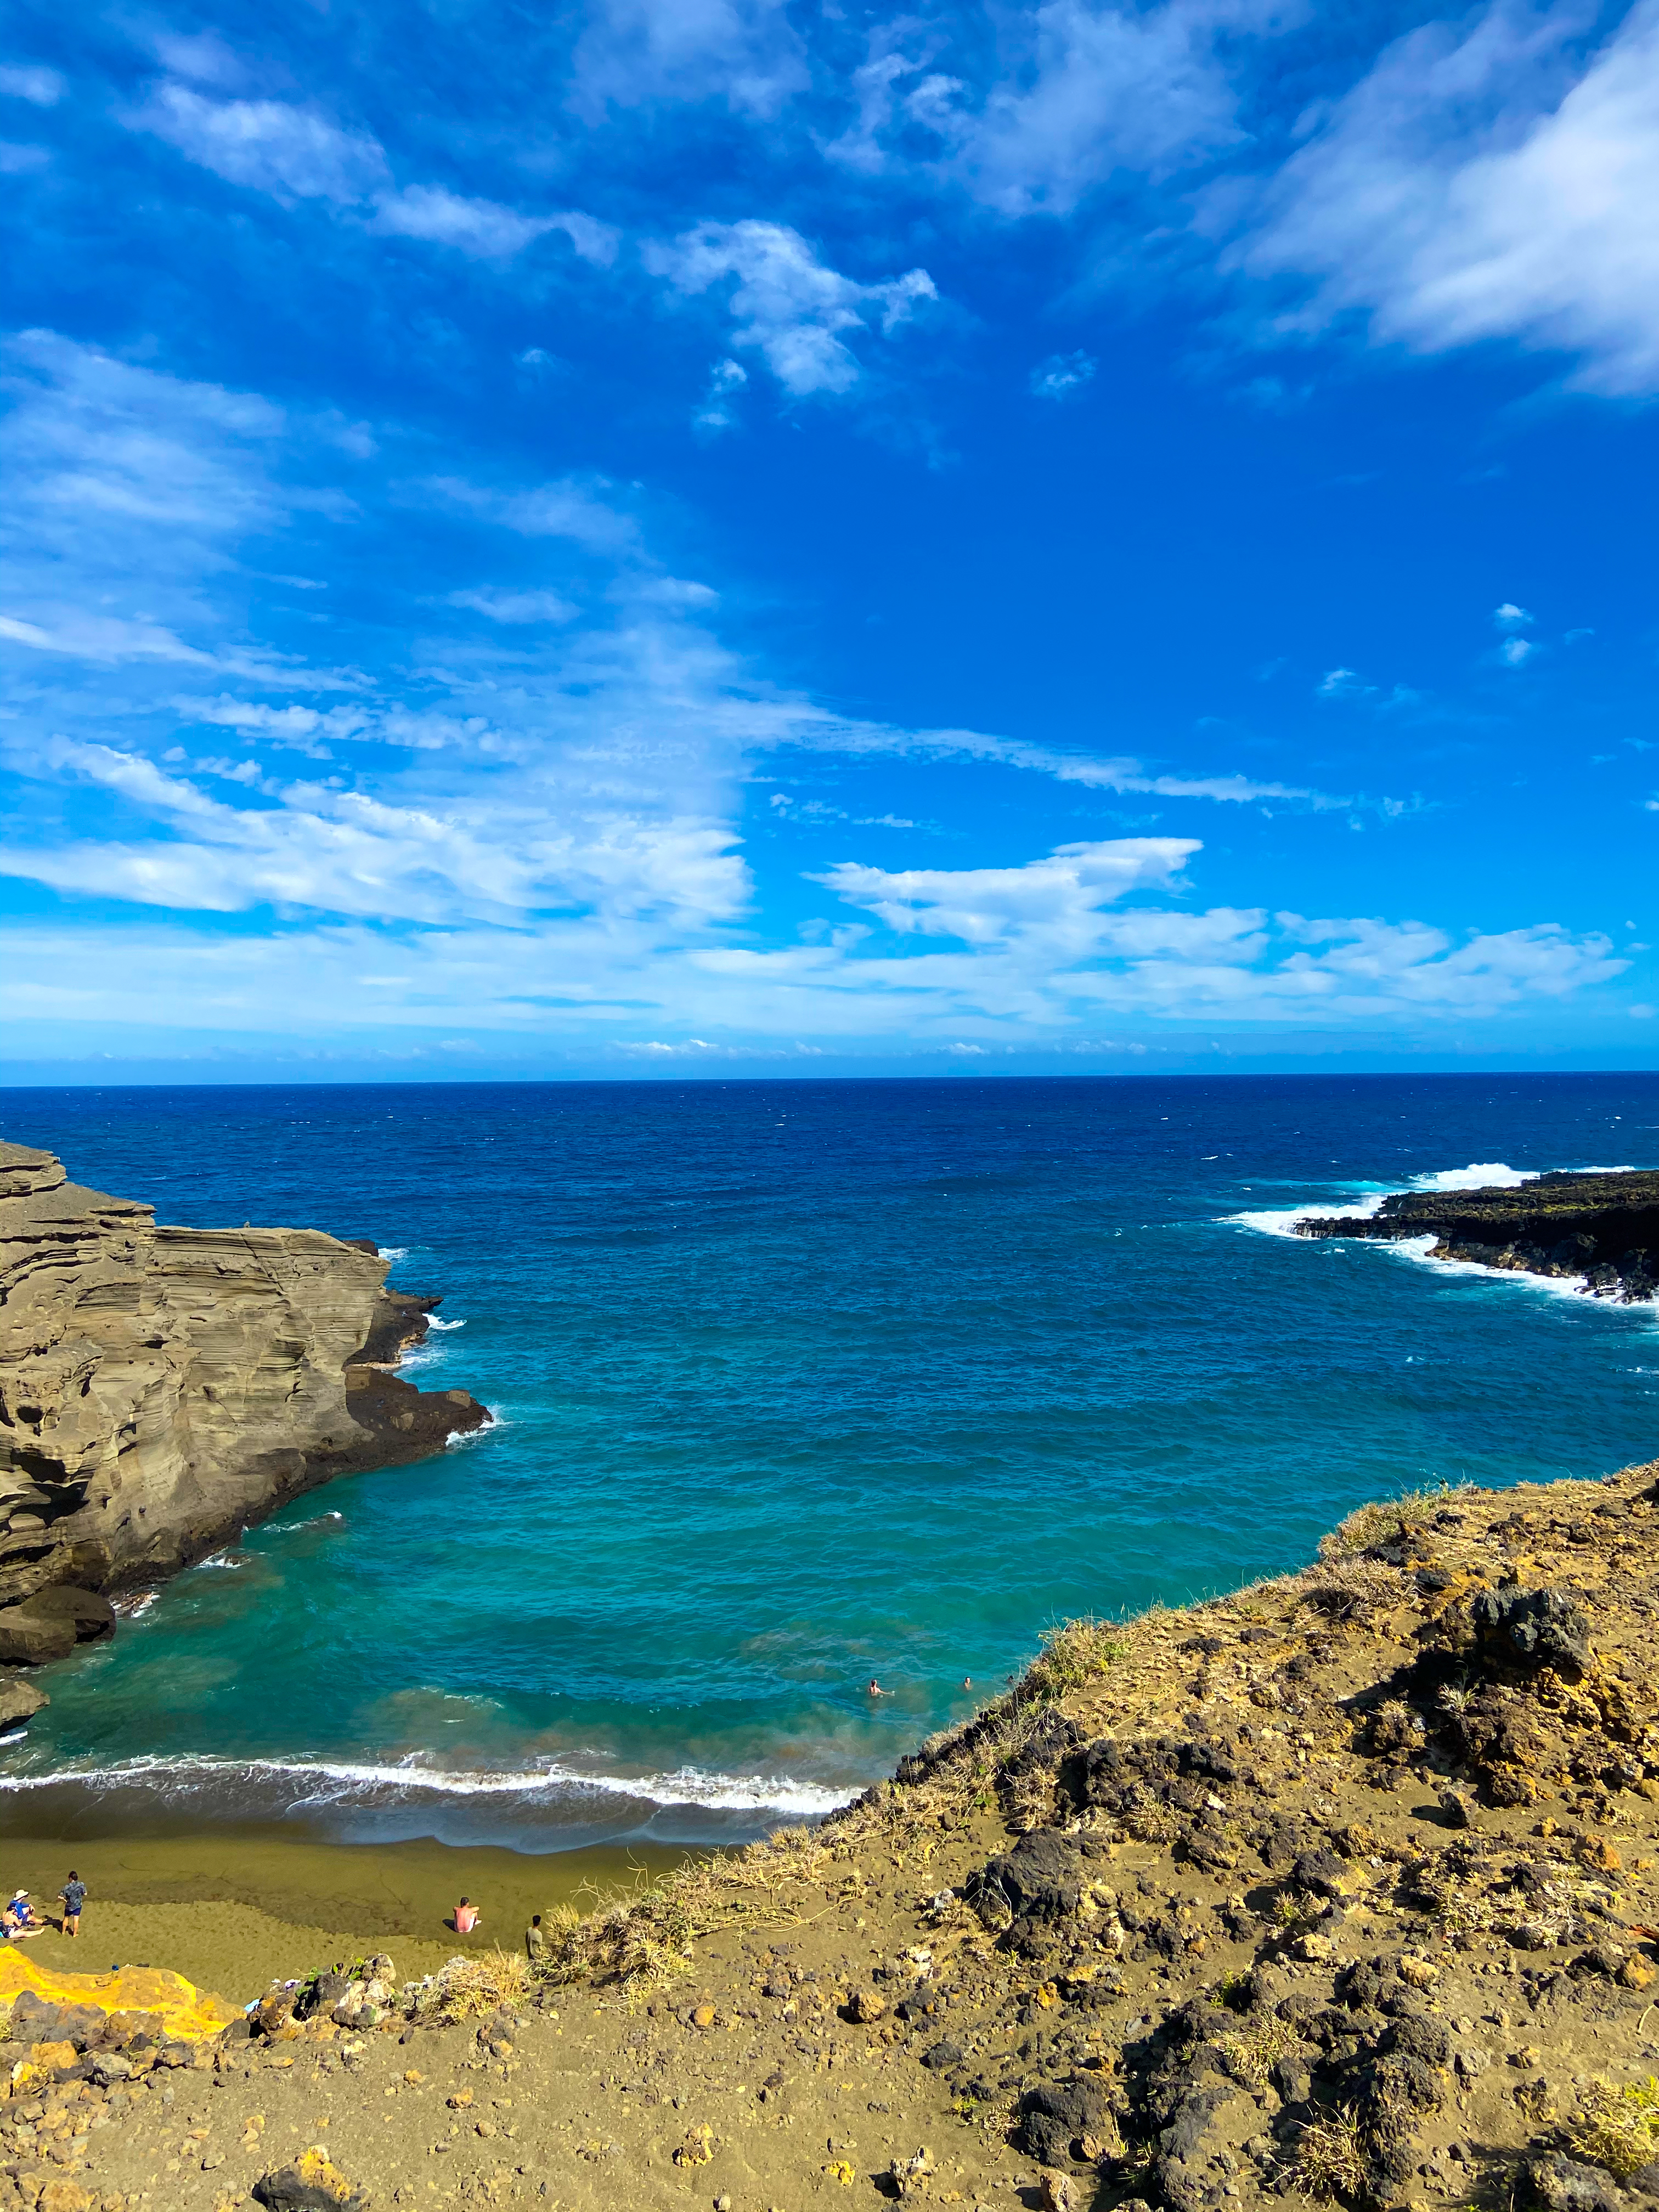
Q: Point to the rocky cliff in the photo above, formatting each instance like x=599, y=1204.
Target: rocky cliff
x=1602, y=1227
x=161, y=1388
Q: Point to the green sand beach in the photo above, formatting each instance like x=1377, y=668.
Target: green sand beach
x=233, y=1908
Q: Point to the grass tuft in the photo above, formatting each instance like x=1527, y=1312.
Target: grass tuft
x=1077, y=1652
x=1330, y=2158
x=1619, y=2129
x=469, y=1988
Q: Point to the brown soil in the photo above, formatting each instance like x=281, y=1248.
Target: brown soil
x=1338, y=1889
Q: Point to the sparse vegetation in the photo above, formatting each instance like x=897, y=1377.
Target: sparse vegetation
x=1329, y=2160
x=471, y=1988
x=1619, y=2129
x=1256, y=2050
x=1383, y=1519
x=1072, y=1654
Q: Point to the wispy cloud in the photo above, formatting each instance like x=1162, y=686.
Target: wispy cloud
x=1480, y=183
x=1080, y=94
x=296, y=153
x=633, y=53
x=1062, y=375
x=786, y=304
x=41, y=88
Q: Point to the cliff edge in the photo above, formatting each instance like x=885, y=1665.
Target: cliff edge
x=1602, y=1226
x=160, y=1388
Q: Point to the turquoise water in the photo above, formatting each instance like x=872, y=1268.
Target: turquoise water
x=799, y=1384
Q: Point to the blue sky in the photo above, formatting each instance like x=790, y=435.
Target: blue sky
x=714, y=536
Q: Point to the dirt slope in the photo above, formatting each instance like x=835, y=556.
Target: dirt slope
x=1340, y=1888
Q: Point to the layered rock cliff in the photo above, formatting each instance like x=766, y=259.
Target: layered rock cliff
x=160, y=1388
x=1603, y=1227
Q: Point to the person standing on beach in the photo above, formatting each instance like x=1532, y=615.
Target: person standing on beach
x=72, y=1896
x=535, y=1942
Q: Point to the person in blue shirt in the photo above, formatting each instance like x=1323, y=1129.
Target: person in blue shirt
x=72, y=1896
x=20, y=1918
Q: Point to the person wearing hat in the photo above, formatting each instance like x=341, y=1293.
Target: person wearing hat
x=20, y=1918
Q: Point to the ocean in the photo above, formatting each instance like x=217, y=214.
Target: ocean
x=798, y=1384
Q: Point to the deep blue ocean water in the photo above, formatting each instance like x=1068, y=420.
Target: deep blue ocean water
x=800, y=1383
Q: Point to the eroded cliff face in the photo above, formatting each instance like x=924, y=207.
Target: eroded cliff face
x=160, y=1388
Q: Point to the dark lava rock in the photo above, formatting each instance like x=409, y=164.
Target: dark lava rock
x=1042, y=1878
x=1318, y=1874
x=944, y=2054
x=310, y=2185
x=1056, y=2115
x=1559, y=2183
x=1529, y=1630
x=35, y=2021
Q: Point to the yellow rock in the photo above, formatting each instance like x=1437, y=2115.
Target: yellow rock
x=697, y=2149
x=64, y=2196
x=188, y=2014
x=317, y=2170
x=838, y=2170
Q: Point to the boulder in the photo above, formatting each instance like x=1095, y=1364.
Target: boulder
x=1041, y=1879
x=30, y=1639
x=313, y=2184
x=1055, y=2116
x=20, y=1701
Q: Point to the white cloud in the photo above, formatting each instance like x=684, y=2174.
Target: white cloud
x=268, y=145
x=633, y=53
x=1482, y=183
x=484, y=228
x=1058, y=899
x=1082, y=92
x=102, y=638
x=517, y=606
x=1516, y=651
x=539, y=832
x=1510, y=616
x=41, y=88
x=789, y=305
x=293, y=152
x=826, y=733
x=726, y=380
x=576, y=507
x=1062, y=374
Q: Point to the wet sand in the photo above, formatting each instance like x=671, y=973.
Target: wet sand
x=233, y=1909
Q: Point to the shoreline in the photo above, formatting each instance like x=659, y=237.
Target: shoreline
x=1341, y=1886
x=233, y=1908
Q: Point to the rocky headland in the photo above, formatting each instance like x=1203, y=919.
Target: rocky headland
x=1343, y=1889
x=162, y=1388
x=1603, y=1228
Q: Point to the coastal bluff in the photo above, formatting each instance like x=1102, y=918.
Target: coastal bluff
x=160, y=1388
x=1602, y=1226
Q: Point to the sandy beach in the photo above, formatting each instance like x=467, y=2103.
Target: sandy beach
x=232, y=1909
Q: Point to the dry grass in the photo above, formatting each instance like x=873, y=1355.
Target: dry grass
x=1383, y=1519
x=1076, y=1653
x=1619, y=2129
x=471, y=1988
x=1330, y=2158
x=1255, y=2052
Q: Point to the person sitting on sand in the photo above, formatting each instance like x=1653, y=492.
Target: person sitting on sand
x=466, y=1916
x=19, y=1917
x=535, y=1942
x=72, y=1896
